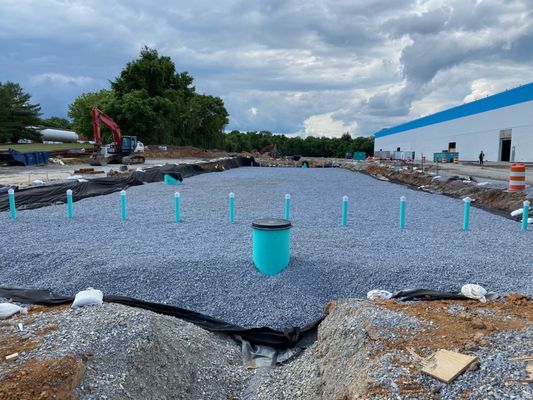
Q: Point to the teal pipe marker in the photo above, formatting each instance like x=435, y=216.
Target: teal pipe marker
x=466, y=214
x=70, y=211
x=525, y=214
x=402, y=212
x=271, y=245
x=12, y=206
x=287, y=206
x=344, y=211
x=177, y=200
x=123, y=204
x=231, y=207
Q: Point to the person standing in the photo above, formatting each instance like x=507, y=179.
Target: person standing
x=481, y=157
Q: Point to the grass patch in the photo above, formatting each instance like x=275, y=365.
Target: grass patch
x=25, y=148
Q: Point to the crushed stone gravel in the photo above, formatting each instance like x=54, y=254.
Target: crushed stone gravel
x=131, y=353
x=204, y=263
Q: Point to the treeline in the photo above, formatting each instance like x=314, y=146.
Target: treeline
x=17, y=113
x=311, y=146
x=150, y=100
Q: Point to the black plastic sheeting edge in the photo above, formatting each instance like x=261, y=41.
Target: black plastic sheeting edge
x=42, y=196
x=258, y=336
x=427, y=294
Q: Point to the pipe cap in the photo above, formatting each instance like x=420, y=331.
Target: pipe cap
x=271, y=224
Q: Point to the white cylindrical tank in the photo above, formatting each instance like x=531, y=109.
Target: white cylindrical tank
x=58, y=135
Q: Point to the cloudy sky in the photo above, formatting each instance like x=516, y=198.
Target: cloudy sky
x=306, y=67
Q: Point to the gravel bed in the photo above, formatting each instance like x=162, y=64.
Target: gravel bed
x=204, y=263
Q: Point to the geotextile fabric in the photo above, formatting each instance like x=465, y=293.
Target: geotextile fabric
x=263, y=336
x=42, y=196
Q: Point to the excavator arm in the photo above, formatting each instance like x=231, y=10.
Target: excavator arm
x=98, y=117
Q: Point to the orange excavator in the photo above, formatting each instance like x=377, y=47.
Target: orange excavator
x=123, y=150
x=271, y=150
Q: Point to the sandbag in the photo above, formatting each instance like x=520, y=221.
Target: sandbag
x=88, y=297
x=8, y=309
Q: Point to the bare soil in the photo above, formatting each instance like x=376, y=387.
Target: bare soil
x=183, y=152
x=46, y=379
x=495, y=200
x=464, y=330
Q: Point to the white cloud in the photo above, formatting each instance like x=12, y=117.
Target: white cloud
x=480, y=88
x=368, y=64
x=325, y=125
x=63, y=80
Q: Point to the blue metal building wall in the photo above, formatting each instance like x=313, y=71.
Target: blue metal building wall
x=510, y=97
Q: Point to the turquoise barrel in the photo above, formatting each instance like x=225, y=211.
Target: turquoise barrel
x=271, y=245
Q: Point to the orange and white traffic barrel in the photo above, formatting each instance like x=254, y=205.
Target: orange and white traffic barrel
x=456, y=159
x=517, y=179
x=443, y=159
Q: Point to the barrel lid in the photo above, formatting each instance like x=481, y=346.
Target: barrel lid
x=271, y=224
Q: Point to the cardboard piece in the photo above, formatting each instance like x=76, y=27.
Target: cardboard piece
x=447, y=365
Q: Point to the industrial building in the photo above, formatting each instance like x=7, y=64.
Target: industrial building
x=500, y=125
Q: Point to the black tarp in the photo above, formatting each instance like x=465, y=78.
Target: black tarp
x=263, y=336
x=428, y=294
x=41, y=196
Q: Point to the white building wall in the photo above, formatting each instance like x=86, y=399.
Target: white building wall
x=472, y=134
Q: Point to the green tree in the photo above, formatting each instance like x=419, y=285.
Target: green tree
x=17, y=113
x=80, y=110
x=56, y=122
x=311, y=146
x=159, y=105
x=150, y=100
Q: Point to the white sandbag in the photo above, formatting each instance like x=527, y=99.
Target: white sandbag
x=475, y=292
x=378, y=295
x=517, y=212
x=9, y=309
x=88, y=297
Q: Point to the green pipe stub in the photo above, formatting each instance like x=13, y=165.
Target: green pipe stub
x=271, y=245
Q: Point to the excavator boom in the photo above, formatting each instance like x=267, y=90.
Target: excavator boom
x=125, y=148
x=101, y=117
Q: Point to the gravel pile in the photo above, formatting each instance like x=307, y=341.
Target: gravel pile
x=349, y=361
x=128, y=353
x=204, y=263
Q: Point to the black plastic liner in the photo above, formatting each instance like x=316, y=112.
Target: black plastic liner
x=264, y=336
x=427, y=294
x=42, y=196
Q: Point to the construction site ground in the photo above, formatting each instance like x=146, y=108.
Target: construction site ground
x=50, y=173
x=204, y=262
x=363, y=350
x=498, y=171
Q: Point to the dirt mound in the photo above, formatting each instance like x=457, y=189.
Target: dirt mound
x=365, y=351
x=183, y=152
x=464, y=328
x=496, y=200
x=46, y=379
x=115, y=352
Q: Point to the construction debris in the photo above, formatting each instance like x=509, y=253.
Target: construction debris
x=447, y=365
x=12, y=356
x=88, y=171
x=8, y=309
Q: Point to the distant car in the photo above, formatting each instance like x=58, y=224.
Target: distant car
x=296, y=158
